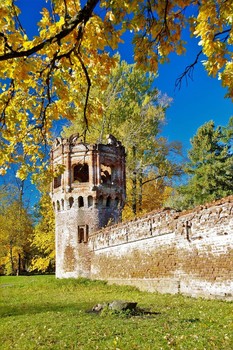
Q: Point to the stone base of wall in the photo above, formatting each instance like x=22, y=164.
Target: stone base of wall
x=204, y=289
x=166, y=285
x=193, y=288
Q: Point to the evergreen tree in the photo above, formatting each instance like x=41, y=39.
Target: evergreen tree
x=210, y=166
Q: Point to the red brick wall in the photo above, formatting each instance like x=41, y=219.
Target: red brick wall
x=188, y=252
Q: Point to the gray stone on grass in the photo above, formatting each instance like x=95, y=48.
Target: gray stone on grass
x=115, y=305
x=120, y=305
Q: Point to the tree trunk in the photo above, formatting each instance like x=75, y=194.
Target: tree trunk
x=140, y=191
x=12, y=260
x=19, y=264
x=134, y=187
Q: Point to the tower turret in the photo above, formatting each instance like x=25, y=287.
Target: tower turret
x=89, y=195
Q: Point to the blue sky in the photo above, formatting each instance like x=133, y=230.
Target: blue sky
x=193, y=105
x=196, y=102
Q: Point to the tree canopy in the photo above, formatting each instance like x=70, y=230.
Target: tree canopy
x=41, y=77
x=133, y=110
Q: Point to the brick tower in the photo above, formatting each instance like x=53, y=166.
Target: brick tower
x=89, y=195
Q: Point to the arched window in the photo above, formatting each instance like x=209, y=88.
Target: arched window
x=57, y=181
x=108, y=202
x=106, y=174
x=80, y=202
x=90, y=201
x=58, y=206
x=62, y=204
x=83, y=234
x=71, y=202
x=81, y=172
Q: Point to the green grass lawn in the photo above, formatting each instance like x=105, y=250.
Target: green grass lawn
x=40, y=312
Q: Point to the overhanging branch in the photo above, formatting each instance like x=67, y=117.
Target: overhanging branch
x=82, y=17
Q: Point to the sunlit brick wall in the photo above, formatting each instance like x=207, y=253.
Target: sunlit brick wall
x=170, y=252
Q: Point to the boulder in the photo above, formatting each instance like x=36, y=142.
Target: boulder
x=120, y=305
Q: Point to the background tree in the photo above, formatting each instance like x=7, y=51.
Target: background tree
x=153, y=195
x=15, y=231
x=134, y=111
x=69, y=53
x=43, y=239
x=210, y=166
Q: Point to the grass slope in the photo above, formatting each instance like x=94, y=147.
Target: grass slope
x=40, y=312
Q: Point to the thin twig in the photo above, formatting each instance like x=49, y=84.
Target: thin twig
x=87, y=94
x=188, y=72
x=79, y=56
x=17, y=18
x=11, y=93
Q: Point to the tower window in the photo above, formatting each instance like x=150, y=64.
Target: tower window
x=83, y=234
x=71, y=201
x=57, y=181
x=90, y=201
x=106, y=174
x=58, y=206
x=80, y=202
x=81, y=173
x=108, y=202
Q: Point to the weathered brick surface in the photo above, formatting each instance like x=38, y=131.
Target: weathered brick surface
x=189, y=252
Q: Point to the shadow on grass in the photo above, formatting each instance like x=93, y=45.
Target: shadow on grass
x=29, y=309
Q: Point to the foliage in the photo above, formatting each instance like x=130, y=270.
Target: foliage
x=210, y=166
x=154, y=194
x=129, y=97
x=43, y=240
x=42, y=76
x=53, y=315
x=8, y=195
x=134, y=111
x=15, y=232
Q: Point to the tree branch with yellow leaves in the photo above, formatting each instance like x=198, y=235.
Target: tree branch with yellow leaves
x=80, y=18
x=54, y=72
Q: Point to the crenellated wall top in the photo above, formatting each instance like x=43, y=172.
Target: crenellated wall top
x=214, y=218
